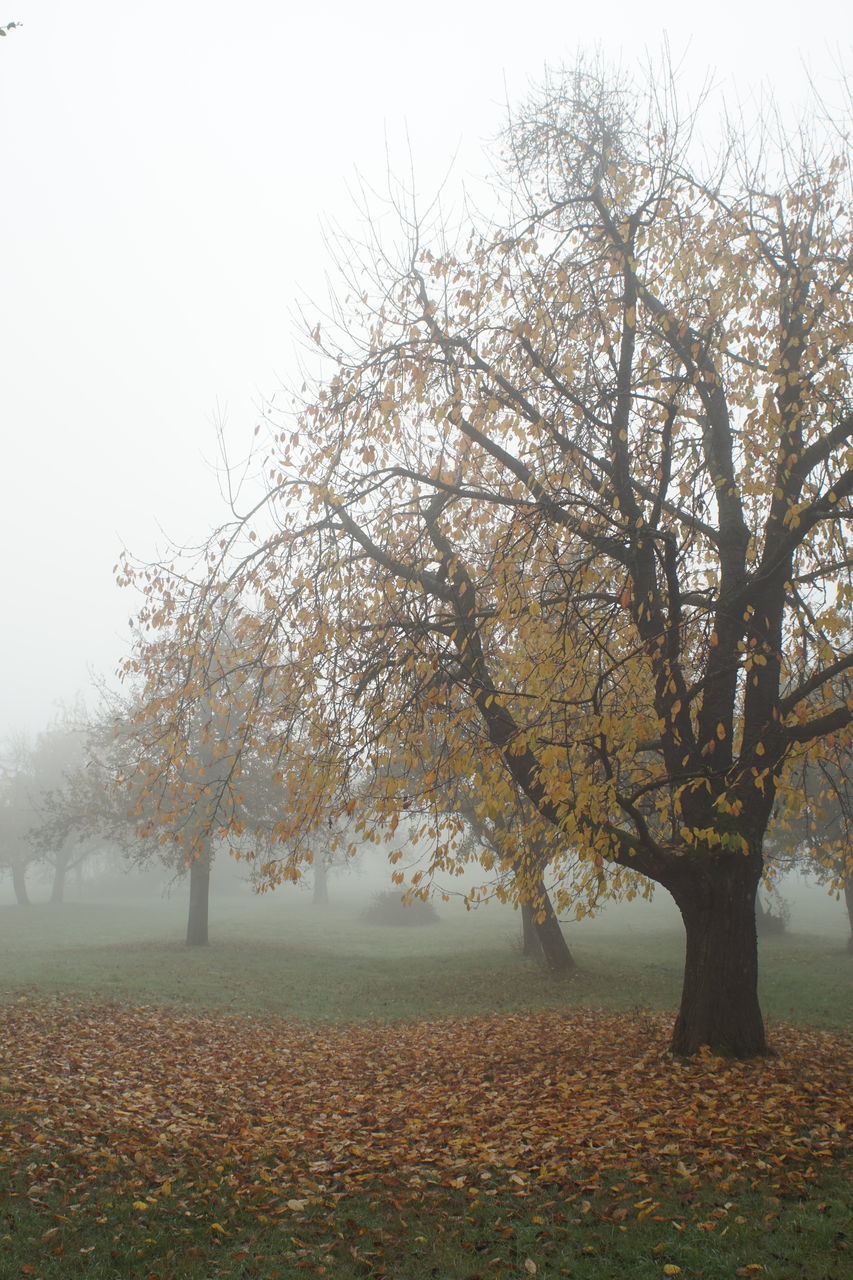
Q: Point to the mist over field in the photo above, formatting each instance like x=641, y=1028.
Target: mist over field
x=812, y=909
x=427, y=437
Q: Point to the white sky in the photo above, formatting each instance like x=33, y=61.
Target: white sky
x=166, y=172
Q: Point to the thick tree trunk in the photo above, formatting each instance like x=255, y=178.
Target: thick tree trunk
x=19, y=884
x=320, y=895
x=848, y=898
x=719, y=999
x=199, y=902
x=544, y=937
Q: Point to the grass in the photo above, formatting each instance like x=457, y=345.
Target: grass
x=448, y=1235
x=279, y=956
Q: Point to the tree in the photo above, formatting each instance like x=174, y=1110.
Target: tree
x=46, y=788
x=172, y=817
x=584, y=484
x=191, y=780
x=18, y=821
x=814, y=831
x=523, y=847
x=67, y=792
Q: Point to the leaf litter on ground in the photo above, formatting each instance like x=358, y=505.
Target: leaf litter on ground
x=276, y=1118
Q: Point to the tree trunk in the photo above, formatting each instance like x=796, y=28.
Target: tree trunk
x=57, y=889
x=545, y=936
x=848, y=898
x=199, y=902
x=320, y=896
x=766, y=921
x=530, y=944
x=19, y=884
x=719, y=999
x=761, y=914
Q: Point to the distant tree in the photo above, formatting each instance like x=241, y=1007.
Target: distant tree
x=522, y=847
x=19, y=819
x=190, y=782
x=173, y=823
x=46, y=788
x=813, y=832
x=69, y=793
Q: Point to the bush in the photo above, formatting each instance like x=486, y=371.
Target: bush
x=389, y=908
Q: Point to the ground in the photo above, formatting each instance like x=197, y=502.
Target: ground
x=426, y=1104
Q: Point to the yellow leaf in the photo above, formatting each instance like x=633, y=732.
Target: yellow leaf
x=140, y=1205
x=670, y=1269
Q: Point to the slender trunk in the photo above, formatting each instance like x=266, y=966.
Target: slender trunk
x=530, y=944
x=57, y=889
x=320, y=896
x=761, y=915
x=766, y=922
x=19, y=884
x=848, y=898
x=539, y=917
x=719, y=999
x=199, y=902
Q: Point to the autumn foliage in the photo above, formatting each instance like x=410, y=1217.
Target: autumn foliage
x=569, y=521
x=273, y=1117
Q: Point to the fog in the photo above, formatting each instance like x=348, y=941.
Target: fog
x=107, y=877
x=170, y=174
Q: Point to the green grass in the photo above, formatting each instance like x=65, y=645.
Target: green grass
x=281, y=955
x=597, y=1232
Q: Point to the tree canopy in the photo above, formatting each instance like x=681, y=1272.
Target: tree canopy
x=571, y=517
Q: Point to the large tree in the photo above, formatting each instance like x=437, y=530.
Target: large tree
x=575, y=505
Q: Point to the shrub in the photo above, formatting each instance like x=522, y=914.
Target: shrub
x=390, y=908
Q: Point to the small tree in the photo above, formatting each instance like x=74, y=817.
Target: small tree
x=193, y=778
x=19, y=820
x=813, y=832
x=48, y=793
x=70, y=795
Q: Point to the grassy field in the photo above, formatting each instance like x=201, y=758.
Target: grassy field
x=118, y=1203
x=280, y=955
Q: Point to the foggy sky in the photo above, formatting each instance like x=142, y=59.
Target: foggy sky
x=167, y=173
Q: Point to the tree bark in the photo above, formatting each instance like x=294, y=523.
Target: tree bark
x=530, y=944
x=57, y=889
x=197, y=919
x=848, y=898
x=320, y=895
x=544, y=937
x=19, y=884
x=719, y=999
